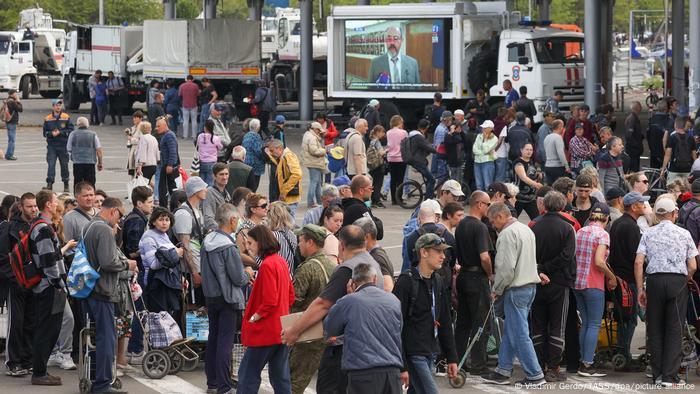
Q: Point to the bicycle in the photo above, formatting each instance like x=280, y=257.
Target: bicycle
x=411, y=192
x=652, y=98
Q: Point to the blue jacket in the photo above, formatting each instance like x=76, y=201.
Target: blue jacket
x=171, y=101
x=370, y=320
x=63, y=124
x=168, y=150
x=255, y=156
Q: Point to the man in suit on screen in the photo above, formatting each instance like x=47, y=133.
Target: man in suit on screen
x=392, y=67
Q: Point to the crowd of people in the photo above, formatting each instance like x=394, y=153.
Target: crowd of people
x=593, y=240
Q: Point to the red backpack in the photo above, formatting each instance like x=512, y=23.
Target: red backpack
x=26, y=271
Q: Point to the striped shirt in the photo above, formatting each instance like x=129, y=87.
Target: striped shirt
x=288, y=246
x=45, y=248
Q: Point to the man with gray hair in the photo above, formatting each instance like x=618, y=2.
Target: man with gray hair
x=556, y=257
x=223, y=277
x=370, y=321
x=377, y=252
x=85, y=151
x=255, y=154
x=329, y=194
x=515, y=282
x=239, y=173
x=355, y=150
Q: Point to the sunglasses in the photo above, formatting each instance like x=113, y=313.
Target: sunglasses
x=263, y=206
x=435, y=243
x=488, y=204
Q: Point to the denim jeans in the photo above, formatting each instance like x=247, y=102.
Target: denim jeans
x=439, y=167
x=315, y=181
x=502, y=165
x=205, y=172
x=54, y=152
x=11, y=136
x=456, y=173
x=590, y=303
x=420, y=375
x=102, y=315
x=484, y=174
x=156, y=181
x=255, y=359
x=203, y=116
x=516, y=340
x=189, y=114
x=222, y=327
x=429, y=181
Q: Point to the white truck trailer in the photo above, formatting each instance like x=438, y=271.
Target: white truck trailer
x=105, y=48
x=31, y=63
x=452, y=48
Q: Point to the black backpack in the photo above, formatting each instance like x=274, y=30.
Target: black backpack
x=682, y=221
x=406, y=150
x=5, y=268
x=437, y=290
x=683, y=158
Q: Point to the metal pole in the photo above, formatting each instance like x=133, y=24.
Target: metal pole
x=306, y=92
x=678, y=47
x=544, y=11
x=210, y=9
x=255, y=10
x=170, y=9
x=592, y=45
x=665, y=48
x=102, y=12
x=694, y=77
x=362, y=2
x=630, y=38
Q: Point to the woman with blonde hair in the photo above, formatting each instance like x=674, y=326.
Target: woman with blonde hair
x=595, y=186
x=147, y=152
x=279, y=220
x=397, y=167
x=639, y=182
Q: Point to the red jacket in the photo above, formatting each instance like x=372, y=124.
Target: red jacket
x=272, y=296
x=331, y=132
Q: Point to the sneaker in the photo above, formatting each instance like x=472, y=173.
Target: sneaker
x=648, y=373
x=380, y=204
x=16, y=371
x=47, y=380
x=495, y=378
x=55, y=360
x=530, y=383
x=441, y=368
x=49, y=186
x=673, y=383
x=589, y=371
x=67, y=362
x=11, y=158
x=555, y=375
x=212, y=390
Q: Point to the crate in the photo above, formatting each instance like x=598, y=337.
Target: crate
x=197, y=326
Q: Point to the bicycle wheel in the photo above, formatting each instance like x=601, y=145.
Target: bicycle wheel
x=413, y=194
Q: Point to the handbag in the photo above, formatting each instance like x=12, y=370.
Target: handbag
x=162, y=329
x=134, y=183
x=81, y=278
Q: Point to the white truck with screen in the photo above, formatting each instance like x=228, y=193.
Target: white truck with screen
x=30, y=61
x=105, y=48
x=402, y=54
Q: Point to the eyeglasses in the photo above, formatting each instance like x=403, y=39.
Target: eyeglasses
x=395, y=38
x=263, y=206
x=644, y=181
x=488, y=204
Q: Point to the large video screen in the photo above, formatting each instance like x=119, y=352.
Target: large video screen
x=396, y=54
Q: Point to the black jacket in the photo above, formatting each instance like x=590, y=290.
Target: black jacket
x=418, y=335
x=15, y=108
x=454, y=145
x=420, y=149
x=556, y=249
x=633, y=135
x=658, y=124
x=624, y=240
x=354, y=209
x=517, y=136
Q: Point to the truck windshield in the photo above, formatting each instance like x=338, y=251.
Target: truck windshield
x=4, y=47
x=559, y=50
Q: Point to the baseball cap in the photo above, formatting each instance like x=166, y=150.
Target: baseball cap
x=445, y=115
x=634, y=197
x=614, y=193
x=220, y=107
x=279, y=119
x=194, y=185
x=498, y=187
x=579, y=125
x=664, y=205
x=312, y=231
x=453, y=187
x=432, y=205
x=431, y=241
x=583, y=181
x=373, y=103
x=316, y=125
x=695, y=187
x=56, y=101
x=341, y=181
x=487, y=125
x=459, y=112
x=600, y=209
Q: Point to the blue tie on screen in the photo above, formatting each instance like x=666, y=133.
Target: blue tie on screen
x=438, y=40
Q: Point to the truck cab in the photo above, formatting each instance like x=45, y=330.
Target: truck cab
x=545, y=60
x=16, y=63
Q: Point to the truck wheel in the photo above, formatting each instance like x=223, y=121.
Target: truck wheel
x=25, y=86
x=281, y=85
x=483, y=71
x=71, y=100
x=50, y=94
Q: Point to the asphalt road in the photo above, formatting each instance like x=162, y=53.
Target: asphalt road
x=29, y=172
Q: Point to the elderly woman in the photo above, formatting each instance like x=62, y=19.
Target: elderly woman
x=280, y=221
x=270, y=299
x=147, y=152
x=255, y=151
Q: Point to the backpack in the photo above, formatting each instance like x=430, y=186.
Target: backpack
x=406, y=150
x=437, y=291
x=683, y=158
x=5, y=269
x=374, y=159
x=25, y=270
x=682, y=219
x=5, y=114
x=82, y=277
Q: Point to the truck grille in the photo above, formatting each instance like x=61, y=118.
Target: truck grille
x=571, y=95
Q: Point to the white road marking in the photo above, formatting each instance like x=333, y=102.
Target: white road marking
x=169, y=384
